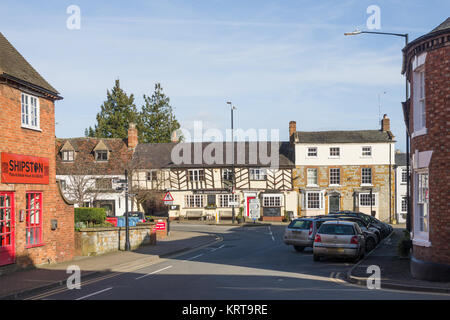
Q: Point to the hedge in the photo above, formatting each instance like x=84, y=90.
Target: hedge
x=90, y=215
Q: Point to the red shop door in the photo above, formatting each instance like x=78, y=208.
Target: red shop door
x=248, y=204
x=7, y=245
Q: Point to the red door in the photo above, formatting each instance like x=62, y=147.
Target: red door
x=7, y=245
x=248, y=203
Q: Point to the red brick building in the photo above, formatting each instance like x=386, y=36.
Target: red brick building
x=36, y=224
x=427, y=68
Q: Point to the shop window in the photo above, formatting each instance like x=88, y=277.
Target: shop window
x=225, y=199
x=33, y=218
x=193, y=201
x=271, y=201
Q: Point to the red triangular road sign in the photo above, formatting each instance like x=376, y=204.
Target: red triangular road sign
x=168, y=197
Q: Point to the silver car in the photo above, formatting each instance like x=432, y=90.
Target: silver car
x=339, y=239
x=301, y=232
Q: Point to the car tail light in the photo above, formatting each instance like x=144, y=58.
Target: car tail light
x=354, y=240
x=318, y=238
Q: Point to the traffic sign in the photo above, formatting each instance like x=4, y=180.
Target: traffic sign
x=168, y=197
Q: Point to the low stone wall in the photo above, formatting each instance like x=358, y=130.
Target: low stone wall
x=95, y=241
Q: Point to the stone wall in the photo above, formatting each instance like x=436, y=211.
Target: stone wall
x=95, y=241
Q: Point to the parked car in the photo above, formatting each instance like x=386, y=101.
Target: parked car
x=137, y=214
x=339, y=238
x=365, y=227
x=300, y=232
x=370, y=234
x=385, y=229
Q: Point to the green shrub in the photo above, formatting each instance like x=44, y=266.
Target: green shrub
x=90, y=215
x=404, y=245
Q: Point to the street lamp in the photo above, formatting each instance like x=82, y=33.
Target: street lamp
x=232, y=164
x=404, y=35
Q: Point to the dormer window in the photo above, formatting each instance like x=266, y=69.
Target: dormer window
x=67, y=155
x=101, y=155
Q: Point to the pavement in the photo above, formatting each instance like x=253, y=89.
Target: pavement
x=18, y=284
x=395, y=270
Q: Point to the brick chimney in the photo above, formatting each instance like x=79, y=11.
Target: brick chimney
x=132, y=136
x=385, y=123
x=292, y=130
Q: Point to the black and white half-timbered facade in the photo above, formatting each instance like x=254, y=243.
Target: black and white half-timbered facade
x=199, y=176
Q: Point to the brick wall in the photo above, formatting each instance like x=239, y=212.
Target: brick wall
x=58, y=245
x=437, y=104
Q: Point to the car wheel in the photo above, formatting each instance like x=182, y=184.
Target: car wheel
x=299, y=248
x=316, y=257
x=370, y=244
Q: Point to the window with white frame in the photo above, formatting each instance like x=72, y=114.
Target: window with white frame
x=421, y=199
x=366, y=151
x=196, y=175
x=311, y=176
x=30, y=111
x=335, y=176
x=365, y=200
x=101, y=155
x=152, y=175
x=225, y=199
x=271, y=200
x=258, y=174
x=419, y=100
x=404, y=204
x=68, y=155
x=366, y=175
x=404, y=175
x=335, y=152
x=312, y=152
x=193, y=201
x=314, y=200
x=227, y=174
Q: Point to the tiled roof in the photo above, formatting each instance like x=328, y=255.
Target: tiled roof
x=356, y=136
x=14, y=65
x=158, y=155
x=85, y=164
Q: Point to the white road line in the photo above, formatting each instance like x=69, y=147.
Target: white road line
x=93, y=294
x=217, y=248
x=149, y=274
x=271, y=234
x=193, y=257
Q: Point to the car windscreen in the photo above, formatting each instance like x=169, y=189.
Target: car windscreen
x=300, y=224
x=337, y=229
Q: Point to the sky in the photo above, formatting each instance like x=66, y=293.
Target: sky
x=276, y=61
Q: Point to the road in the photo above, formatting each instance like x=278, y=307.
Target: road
x=249, y=263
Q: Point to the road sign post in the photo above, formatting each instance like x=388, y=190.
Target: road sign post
x=254, y=209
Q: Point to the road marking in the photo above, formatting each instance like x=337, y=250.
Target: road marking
x=271, y=234
x=93, y=294
x=149, y=274
x=193, y=257
x=217, y=248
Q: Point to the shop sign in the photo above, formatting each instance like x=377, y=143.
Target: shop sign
x=18, y=168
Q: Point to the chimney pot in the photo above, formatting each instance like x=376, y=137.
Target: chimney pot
x=292, y=129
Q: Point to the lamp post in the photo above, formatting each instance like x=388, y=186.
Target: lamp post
x=232, y=163
x=408, y=206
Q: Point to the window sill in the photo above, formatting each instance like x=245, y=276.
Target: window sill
x=32, y=128
x=334, y=185
x=419, y=132
x=312, y=185
x=366, y=157
x=421, y=242
x=334, y=157
x=34, y=246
